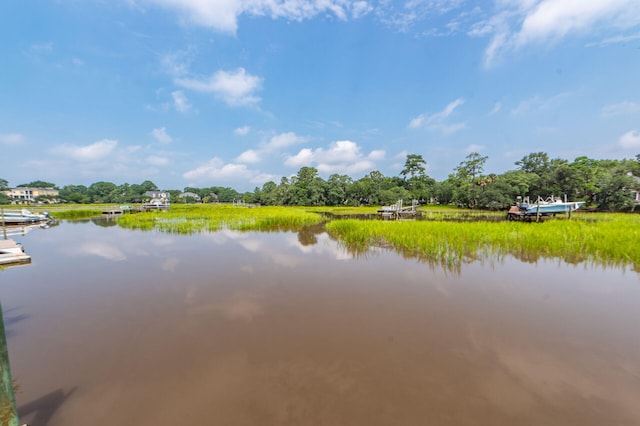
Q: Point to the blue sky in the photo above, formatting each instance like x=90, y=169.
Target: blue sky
x=239, y=92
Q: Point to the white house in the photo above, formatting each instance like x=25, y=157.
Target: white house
x=157, y=199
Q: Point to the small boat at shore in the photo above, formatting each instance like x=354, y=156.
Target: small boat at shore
x=553, y=207
x=14, y=217
x=549, y=207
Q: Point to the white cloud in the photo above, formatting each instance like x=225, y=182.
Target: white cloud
x=553, y=19
x=180, y=101
x=346, y=168
x=303, y=158
x=496, y=108
x=377, y=155
x=340, y=157
x=39, y=50
x=630, y=140
x=536, y=103
x=242, y=131
x=339, y=151
x=619, y=39
x=216, y=169
x=517, y=24
x=217, y=14
x=92, y=152
x=474, y=148
x=103, y=160
x=222, y=15
x=249, y=156
x=11, y=139
x=236, y=88
x=177, y=63
x=417, y=122
x=161, y=136
x=156, y=160
x=438, y=120
x=622, y=108
x=360, y=8
x=262, y=178
x=404, y=14
x=283, y=140
x=402, y=154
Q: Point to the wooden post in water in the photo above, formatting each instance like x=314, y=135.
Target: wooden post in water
x=4, y=225
x=8, y=410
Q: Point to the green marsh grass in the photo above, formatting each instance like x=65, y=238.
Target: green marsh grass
x=68, y=211
x=75, y=213
x=189, y=219
x=446, y=236
x=604, y=239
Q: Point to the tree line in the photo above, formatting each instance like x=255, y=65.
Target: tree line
x=607, y=185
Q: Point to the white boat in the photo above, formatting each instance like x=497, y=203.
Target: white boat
x=12, y=217
x=549, y=207
x=553, y=207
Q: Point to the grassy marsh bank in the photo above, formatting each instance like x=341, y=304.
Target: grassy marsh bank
x=445, y=236
x=189, y=219
x=604, y=239
x=65, y=211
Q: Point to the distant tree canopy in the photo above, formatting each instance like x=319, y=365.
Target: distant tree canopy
x=37, y=184
x=604, y=184
x=4, y=184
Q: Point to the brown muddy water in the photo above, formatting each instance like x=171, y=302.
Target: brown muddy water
x=115, y=327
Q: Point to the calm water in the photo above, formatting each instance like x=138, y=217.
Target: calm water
x=116, y=327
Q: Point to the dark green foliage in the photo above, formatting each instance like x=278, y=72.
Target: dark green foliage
x=607, y=185
x=37, y=184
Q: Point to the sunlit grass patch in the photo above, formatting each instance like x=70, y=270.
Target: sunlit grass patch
x=65, y=211
x=189, y=219
x=605, y=240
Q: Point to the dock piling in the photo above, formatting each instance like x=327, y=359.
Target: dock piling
x=8, y=410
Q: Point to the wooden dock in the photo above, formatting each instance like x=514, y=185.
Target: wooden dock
x=397, y=211
x=12, y=253
x=117, y=211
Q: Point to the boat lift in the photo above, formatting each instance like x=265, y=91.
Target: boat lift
x=523, y=210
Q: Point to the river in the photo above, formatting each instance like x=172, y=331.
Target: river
x=109, y=326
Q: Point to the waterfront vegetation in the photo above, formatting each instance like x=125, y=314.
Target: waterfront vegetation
x=604, y=185
x=603, y=239
x=189, y=219
x=448, y=237
x=445, y=236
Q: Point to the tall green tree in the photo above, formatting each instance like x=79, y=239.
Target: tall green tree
x=416, y=181
x=77, y=194
x=102, y=192
x=539, y=166
x=4, y=199
x=414, y=166
x=472, y=167
x=284, y=192
x=337, y=186
x=616, y=191
x=587, y=172
x=268, y=195
x=308, y=187
x=467, y=180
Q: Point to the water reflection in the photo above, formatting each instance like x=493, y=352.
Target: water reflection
x=244, y=328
